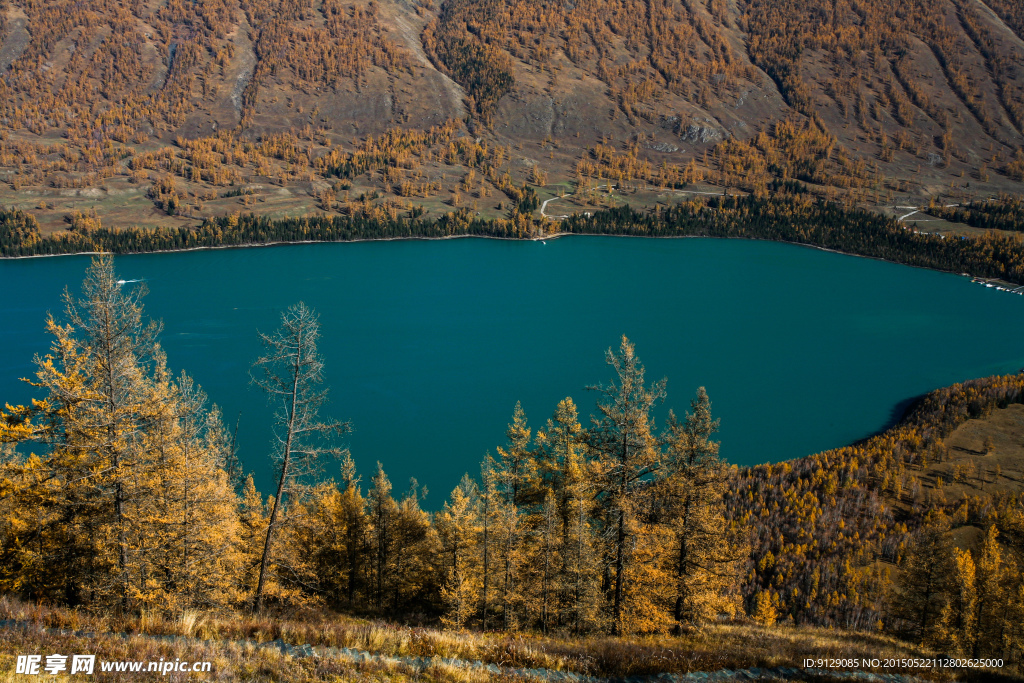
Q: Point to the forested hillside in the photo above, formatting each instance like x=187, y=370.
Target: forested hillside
x=159, y=114
x=119, y=491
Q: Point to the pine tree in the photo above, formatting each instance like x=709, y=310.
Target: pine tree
x=958, y=623
x=129, y=504
x=926, y=571
x=580, y=575
x=706, y=553
x=382, y=513
x=457, y=527
x=627, y=452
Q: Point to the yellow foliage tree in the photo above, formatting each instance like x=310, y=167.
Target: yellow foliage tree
x=129, y=504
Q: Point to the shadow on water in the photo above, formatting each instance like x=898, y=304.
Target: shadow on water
x=899, y=412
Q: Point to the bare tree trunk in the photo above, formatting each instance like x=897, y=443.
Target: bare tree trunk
x=115, y=456
x=620, y=543
x=544, y=584
x=617, y=605
x=267, y=544
x=681, y=568
x=486, y=568
x=291, y=372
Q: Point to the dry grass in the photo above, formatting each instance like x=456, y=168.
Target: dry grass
x=721, y=646
x=968, y=466
x=230, y=661
x=718, y=646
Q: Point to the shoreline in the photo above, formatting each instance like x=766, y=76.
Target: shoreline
x=542, y=238
x=252, y=245
x=554, y=236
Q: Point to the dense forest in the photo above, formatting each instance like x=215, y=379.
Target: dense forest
x=119, y=490
x=1005, y=214
x=831, y=529
x=788, y=218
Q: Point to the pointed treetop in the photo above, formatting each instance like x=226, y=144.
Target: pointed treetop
x=518, y=432
x=630, y=388
x=349, y=478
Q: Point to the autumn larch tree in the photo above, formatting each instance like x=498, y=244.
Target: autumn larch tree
x=94, y=417
x=491, y=502
x=922, y=588
x=457, y=528
x=979, y=618
x=563, y=469
x=515, y=474
x=415, y=557
x=706, y=554
x=334, y=537
x=352, y=514
x=109, y=321
x=516, y=464
x=627, y=452
x=580, y=574
x=291, y=374
x=130, y=491
x=192, y=547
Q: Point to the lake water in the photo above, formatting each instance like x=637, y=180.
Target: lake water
x=429, y=344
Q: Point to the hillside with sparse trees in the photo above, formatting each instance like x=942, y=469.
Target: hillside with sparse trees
x=165, y=114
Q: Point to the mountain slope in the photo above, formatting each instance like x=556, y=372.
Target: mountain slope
x=886, y=103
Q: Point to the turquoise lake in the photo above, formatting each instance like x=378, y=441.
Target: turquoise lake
x=429, y=344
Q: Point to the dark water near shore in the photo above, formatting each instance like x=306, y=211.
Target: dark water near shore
x=429, y=344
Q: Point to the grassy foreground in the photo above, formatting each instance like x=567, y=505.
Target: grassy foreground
x=218, y=638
